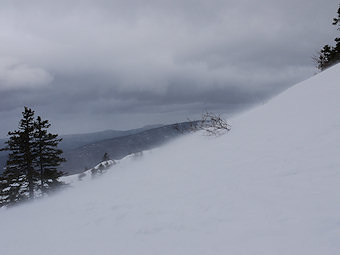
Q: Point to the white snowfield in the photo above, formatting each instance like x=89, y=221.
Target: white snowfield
x=270, y=186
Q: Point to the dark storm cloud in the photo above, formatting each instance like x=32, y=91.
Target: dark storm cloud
x=91, y=65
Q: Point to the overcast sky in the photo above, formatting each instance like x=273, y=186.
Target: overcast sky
x=118, y=64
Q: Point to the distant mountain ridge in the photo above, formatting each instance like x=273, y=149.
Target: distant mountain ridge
x=73, y=141
x=90, y=155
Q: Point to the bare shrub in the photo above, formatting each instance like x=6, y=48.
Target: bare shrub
x=213, y=124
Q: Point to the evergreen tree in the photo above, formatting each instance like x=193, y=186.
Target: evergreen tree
x=26, y=134
x=32, y=162
x=329, y=55
x=48, y=156
x=19, y=178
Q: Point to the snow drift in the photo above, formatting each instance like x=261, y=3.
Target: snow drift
x=270, y=186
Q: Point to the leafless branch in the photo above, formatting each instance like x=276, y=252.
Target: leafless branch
x=213, y=124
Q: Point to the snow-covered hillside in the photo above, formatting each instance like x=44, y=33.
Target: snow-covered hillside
x=270, y=186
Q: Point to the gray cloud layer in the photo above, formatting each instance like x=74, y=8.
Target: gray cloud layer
x=91, y=65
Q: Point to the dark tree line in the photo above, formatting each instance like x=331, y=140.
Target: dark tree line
x=329, y=55
x=31, y=168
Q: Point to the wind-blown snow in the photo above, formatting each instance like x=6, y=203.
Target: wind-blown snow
x=270, y=186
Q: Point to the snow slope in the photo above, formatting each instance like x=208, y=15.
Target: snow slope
x=270, y=186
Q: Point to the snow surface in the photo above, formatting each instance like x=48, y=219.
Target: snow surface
x=270, y=186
